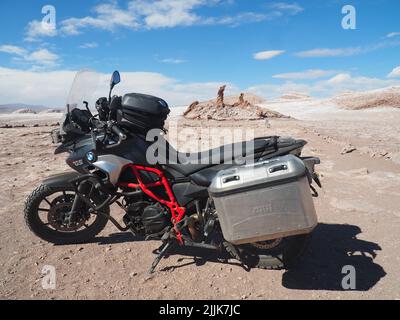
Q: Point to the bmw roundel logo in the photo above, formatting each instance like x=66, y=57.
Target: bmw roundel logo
x=90, y=156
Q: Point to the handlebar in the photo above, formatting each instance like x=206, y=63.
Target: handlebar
x=108, y=127
x=118, y=132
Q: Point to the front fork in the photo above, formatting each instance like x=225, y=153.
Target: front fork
x=70, y=217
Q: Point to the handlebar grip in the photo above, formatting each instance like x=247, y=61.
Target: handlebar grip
x=122, y=136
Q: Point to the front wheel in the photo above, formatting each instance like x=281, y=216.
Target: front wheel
x=274, y=254
x=45, y=212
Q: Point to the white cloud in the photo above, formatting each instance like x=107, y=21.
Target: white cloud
x=325, y=52
x=47, y=88
x=395, y=73
x=340, y=83
x=346, y=52
x=37, y=59
x=138, y=14
x=236, y=20
x=13, y=50
x=291, y=8
x=339, y=79
x=155, y=14
x=305, y=75
x=265, y=55
x=37, y=29
x=172, y=61
x=107, y=17
x=393, y=34
x=43, y=57
x=272, y=91
x=346, y=82
x=52, y=88
x=165, y=13
x=89, y=45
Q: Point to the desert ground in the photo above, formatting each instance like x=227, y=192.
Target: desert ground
x=358, y=210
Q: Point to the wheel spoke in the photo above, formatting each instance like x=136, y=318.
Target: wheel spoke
x=43, y=210
x=48, y=202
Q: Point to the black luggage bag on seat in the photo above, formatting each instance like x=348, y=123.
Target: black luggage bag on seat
x=141, y=113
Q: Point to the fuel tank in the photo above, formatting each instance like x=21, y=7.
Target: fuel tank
x=133, y=149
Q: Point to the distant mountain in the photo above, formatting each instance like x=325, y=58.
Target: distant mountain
x=12, y=107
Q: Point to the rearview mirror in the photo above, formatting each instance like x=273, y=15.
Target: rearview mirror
x=115, y=79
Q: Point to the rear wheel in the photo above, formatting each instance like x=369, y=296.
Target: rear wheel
x=273, y=254
x=45, y=214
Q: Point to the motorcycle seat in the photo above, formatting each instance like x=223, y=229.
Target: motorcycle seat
x=230, y=154
x=205, y=176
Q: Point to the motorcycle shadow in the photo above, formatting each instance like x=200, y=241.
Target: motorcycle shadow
x=199, y=257
x=196, y=256
x=116, y=238
x=331, y=248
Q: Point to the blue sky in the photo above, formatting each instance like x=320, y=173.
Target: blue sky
x=183, y=49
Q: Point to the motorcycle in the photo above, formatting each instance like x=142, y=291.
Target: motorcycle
x=178, y=203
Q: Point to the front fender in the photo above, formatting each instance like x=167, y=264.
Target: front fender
x=60, y=180
x=61, y=149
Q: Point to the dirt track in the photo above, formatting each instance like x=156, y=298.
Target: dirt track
x=358, y=211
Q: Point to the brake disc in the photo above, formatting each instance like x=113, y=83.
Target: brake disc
x=59, y=208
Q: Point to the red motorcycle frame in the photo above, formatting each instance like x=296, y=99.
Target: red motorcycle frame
x=177, y=212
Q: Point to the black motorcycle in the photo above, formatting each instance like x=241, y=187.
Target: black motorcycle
x=169, y=200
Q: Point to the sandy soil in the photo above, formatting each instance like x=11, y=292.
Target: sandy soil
x=357, y=209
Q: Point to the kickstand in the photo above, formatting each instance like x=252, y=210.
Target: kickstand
x=157, y=260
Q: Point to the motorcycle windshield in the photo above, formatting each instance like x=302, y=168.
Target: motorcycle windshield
x=88, y=86
x=85, y=87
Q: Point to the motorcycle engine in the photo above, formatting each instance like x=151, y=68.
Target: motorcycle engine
x=147, y=219
x=155, y=219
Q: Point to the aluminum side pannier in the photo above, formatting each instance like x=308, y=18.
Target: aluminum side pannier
x=264, y=201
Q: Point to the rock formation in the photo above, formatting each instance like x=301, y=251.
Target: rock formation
x=220, y=110
x=241, y=99
x=242, y=102
x=220, y=97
